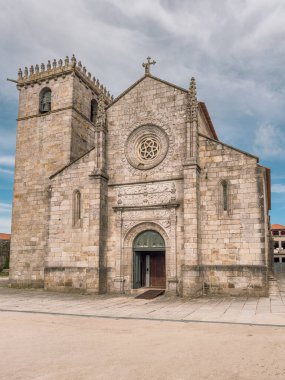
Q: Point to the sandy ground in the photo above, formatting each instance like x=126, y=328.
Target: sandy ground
x=37, y=346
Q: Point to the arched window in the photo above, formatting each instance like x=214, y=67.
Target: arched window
x=225, y=197
x=76, y=208
x=93, y=110
x=45, y=100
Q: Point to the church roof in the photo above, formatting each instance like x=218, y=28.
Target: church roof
x=277, y=227
x=208, y=118
x=5, y=236
x=140, y=80
x=70, y=163
x=229, y=146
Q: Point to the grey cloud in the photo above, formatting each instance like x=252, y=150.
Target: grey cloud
x=236, y=49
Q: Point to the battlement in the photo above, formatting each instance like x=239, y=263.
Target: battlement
x=41, y=73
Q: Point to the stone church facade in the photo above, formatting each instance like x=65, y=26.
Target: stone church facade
x=117, y=195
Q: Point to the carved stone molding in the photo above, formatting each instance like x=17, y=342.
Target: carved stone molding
x=161, y=217
x=150, y=194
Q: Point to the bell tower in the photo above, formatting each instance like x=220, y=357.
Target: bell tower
x=56, y=125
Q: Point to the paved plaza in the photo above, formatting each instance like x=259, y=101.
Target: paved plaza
x=244, y=310
x=52, y=336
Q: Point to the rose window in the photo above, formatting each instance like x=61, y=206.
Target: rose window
x=149, y=148
x=146, y=146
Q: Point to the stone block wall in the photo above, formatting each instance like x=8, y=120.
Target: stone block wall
x=232, y=239
x=72, y=259
x=83, y=130
x=45, y=143
x=207, y=249
x=43, y=146
x=150, y=102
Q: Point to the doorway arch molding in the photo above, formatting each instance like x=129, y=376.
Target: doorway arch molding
x=141, y=227
x=125, y=268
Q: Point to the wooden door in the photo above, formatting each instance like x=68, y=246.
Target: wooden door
x=157, y=270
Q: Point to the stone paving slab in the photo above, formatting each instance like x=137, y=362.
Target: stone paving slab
x=267, y=311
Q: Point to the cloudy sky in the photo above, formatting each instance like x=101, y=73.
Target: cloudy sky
x=235, y=49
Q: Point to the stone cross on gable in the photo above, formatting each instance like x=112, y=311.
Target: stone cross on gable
x=147, y=64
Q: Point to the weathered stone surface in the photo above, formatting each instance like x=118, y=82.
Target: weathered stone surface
x=176, y=191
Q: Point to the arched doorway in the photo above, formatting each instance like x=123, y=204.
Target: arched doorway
x=149, y=260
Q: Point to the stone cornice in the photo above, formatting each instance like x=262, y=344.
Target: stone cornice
x=58, y=110
x=239, y=267
x=147, y=181
x=146, y=207
x=99, y=174
x=54, y=70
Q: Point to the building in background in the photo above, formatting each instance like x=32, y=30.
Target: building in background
x=4, y=250
x=278, y=235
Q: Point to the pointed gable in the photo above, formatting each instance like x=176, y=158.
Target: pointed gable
x=206, y=126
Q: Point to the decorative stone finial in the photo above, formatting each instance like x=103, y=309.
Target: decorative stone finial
x=79, y=65
x=48, y=65
x=192, y=101
x=101, y=112
x=89, y=75
x=192, y=88
x=42, y=67
x=66, y=61
x=54, y=64
x=84, y=70
x=26, y=73
x=20, y=74
x=73, y=60
x=147, y=64
x=60, y=63
x=37, y=69
x=97, y=83
x=31, y=70
x=93, y=79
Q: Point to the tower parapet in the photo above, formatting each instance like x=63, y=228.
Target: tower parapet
x=53, y=70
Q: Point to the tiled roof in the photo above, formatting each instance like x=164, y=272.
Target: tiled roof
x=277, y=227
x=5, y=236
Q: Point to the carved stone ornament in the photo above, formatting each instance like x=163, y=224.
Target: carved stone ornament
x=147, y=194
x=146, y=147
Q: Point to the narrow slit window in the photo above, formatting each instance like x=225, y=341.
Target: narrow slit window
x=76, y=208
x=93, y=110
x=225, y=196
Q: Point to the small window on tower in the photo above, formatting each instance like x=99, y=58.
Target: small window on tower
x=45, y=100
x=93, y=110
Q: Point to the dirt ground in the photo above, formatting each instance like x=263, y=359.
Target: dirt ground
x=37, y=346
